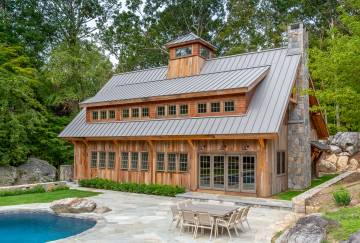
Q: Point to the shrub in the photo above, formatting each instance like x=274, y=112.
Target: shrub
x=151, y=189
x=342, y=196
x=35, y=189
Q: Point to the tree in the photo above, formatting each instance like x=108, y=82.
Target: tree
x=20, y=112
x=74, y=73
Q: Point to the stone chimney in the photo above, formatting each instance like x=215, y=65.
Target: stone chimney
x=299, y=148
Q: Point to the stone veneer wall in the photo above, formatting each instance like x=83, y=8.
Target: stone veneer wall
x=299, y=148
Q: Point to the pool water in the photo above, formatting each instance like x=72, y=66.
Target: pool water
x=39, y=227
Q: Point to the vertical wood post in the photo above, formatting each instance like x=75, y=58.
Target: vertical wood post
x=263, y=172
x=86, y=167
x=117, y=159
x=74, y=166
x=193, y=166
x=152, y=159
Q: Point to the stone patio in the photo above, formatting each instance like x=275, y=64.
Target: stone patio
x=145, y=218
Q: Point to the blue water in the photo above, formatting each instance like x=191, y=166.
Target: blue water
x=39, y=227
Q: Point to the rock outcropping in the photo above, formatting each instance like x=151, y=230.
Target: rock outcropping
x=33, y=171
x=73, y=205
x=311, y=228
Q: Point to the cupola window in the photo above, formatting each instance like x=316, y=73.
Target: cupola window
x=183, y=51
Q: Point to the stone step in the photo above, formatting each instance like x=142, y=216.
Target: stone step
x=237, y=200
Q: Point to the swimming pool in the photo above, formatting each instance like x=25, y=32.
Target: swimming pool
x=39, y=227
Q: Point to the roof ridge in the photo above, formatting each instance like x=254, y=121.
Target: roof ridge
x=247, y=53
x=141, y=70
x=201, y=74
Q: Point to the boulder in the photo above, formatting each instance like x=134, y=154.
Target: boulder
x=332, y=158
x=36, y=170
x=326, y=166
x=342, y=163
x=335, y=149
x=73, y=205
x=354, y=238
x=346, y=139
x=353, y=165
x=351, y=150
x=8, y=175
x=101, y=210
x=344, y=154
x=311, y=228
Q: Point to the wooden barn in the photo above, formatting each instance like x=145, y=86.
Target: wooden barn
x=236, y=124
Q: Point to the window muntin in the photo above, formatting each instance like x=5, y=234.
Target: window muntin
x=111, y=114
x=135, y=112
x=172, y=110
x=124, y=160
x=171, y=162
x=125, y=113
x=280, y=163
x=102, y=159
x=160, y=111
x=103, y=114
x=183, y=51
x=202, y=108
x=215, y=107
x=183, y=162
x=93, y=161
x=204, y=52
x=145, y=112
x=144, y=161
x=95, y=115
x=184, y=109
x=134, y=160
x=229, y=106
x=160, y=161
x=111, y=160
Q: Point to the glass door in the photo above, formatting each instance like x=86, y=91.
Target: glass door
x=219, y=172
x=233, y=173
x=205, y=171
x=248, y=173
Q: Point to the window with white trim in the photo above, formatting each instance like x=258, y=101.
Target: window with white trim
x=102, y=159
x=171, y=162
x=215, y=107
x=144, y=160
x=183, y=162
x=124, y=160
x=103, y=115
x=172, y=110
x=111, y=114
x=111, y=160
x=184, y=109
x=93, y=161
x=145, y=112
x=160, y=157
x=95, y=115
x=229, y=106
x=135, y=112
x=125, y=113
x=160, y=111
x=202, y=108
x=134, y=160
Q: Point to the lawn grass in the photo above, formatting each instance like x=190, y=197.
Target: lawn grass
x=349, y=220
x=44, y=197
x=288, y=195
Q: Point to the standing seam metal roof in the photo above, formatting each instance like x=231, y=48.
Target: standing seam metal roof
x=265, y=113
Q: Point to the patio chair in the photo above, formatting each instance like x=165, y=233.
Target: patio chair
x=176, y=216
x=187, y=202
x=188, y=218
x=227, y=223
x=244, y=215
x=205, y=221
x=238, y=218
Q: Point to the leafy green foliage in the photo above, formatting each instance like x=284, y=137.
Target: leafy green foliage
x=349, y=220
x=342, y=196
x=153, y=189
x=35, y=189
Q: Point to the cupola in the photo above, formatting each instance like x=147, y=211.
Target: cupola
x=187, y=55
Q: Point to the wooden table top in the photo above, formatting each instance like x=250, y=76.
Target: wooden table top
x=212, y=209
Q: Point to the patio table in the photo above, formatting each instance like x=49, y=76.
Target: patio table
x=212, y=209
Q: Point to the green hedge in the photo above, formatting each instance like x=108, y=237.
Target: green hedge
x=153, y=189
x=35, y=189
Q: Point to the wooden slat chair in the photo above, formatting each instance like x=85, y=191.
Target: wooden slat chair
x=189, y=219
x=229, y=223
x=205, y=221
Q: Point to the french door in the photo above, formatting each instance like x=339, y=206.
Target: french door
x=227, y=172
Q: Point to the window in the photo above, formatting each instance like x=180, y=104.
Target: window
x=183, y=51
x=280, y=163
x=215, y=107
x=135, y=112
x=160, y=161
x=103, y=114
x=145, y=112
x=93, y=161
x=202, y=108
x=124, y=160
x=204, y=52
x=111, y=114
x=229, y=106
x=95, y=115
x=134, y=161
x=171, y=162
x=144, y=161
x=183, y=162
x=184, y=109
x=172, y=110
x=102, y=159
x=161, y=111
x=125, y=113
x=111, y=160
